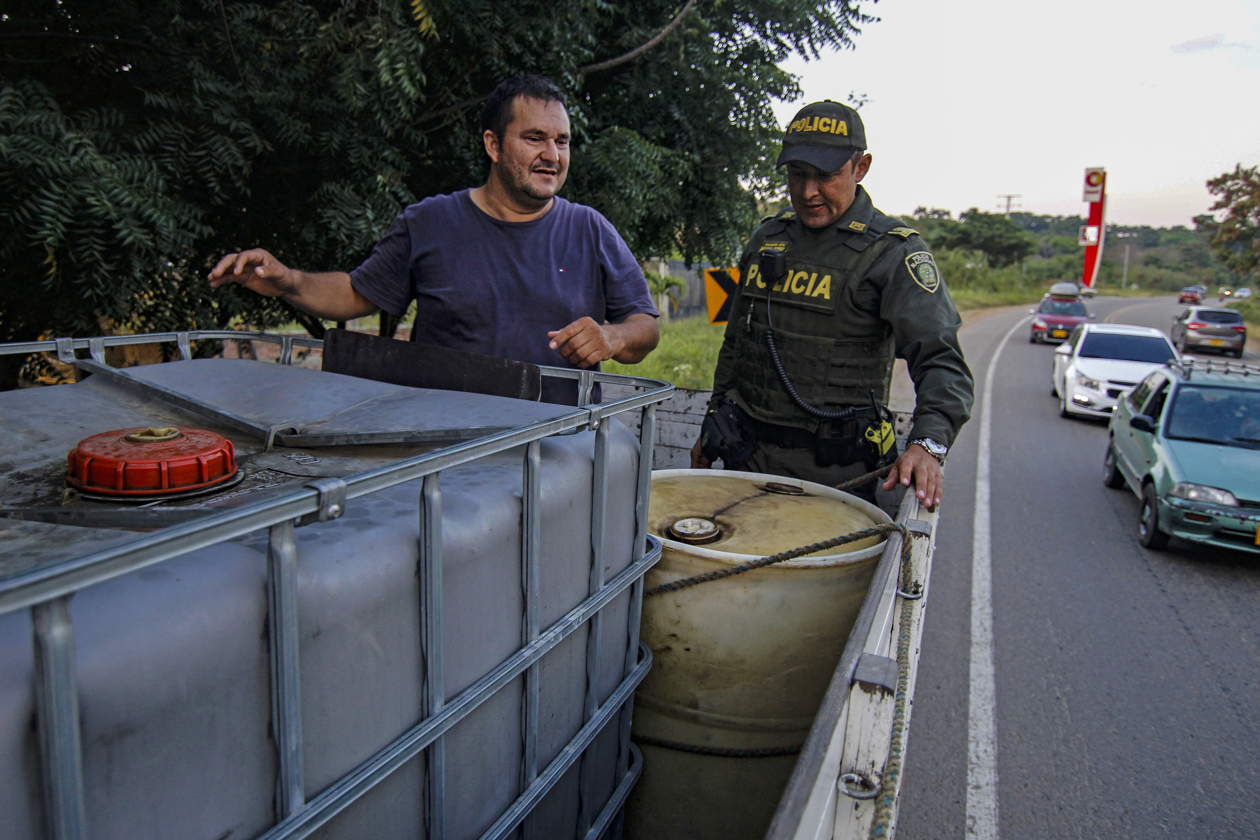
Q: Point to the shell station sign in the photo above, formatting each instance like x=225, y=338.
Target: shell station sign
x=1094, y=232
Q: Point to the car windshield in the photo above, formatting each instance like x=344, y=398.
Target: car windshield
x=1063, y=307
x=1219, y=316
x=1129, y=348
x=1209, y=414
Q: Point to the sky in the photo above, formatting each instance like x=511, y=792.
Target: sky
x=970, y=99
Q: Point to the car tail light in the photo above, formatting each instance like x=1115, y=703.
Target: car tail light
x=1195, y=325
x=1239, y=328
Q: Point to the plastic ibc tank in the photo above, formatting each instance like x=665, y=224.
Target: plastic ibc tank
x=172, y=661
x=741, y=663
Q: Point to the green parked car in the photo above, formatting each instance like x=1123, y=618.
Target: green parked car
x=1186, y=440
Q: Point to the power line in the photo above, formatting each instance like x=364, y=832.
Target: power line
x=1009, y=198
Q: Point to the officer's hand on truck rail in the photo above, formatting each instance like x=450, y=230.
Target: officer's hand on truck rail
x=917, y=465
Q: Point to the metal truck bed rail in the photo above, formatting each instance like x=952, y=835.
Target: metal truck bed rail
x=848, y=778
x=47, y=592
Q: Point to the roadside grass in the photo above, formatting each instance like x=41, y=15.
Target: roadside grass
x=1250, y=309
x=686, y=355
x=987, y=298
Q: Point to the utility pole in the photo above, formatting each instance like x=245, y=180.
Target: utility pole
x=1009, y=199
x=1124, y=280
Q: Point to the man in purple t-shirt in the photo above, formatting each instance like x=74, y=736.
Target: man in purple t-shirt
x=507, y=269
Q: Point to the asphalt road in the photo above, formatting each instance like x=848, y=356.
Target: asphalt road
x=1127, y=700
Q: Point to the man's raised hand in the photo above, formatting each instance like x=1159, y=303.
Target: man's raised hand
x=256, y=270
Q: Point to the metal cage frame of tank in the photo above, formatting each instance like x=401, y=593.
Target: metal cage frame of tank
x=47, y=592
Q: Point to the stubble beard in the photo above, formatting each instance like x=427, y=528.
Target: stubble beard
x=524, y=193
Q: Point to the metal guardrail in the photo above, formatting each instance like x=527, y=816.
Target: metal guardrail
x=47, y=592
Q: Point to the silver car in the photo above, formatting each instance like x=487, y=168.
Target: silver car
x=1209, y=327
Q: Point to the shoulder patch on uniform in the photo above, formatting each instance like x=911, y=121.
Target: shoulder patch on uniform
x=904, y=233
x=858, y=226
x=924, y=271
x=783, y=215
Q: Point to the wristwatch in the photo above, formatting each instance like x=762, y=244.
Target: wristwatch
x=936, y=450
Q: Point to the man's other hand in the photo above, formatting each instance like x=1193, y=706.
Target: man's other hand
x=917, y=465
x=583, y=343
x=256, y=270
x=586, y=343
x=698, y=461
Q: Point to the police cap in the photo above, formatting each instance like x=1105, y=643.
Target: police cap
x=824, y=135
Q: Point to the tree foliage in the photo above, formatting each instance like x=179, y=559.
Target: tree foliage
x=1000, y=240
x=141, y=140
x=1235, y=237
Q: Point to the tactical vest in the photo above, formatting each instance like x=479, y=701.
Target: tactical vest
x=833, y=343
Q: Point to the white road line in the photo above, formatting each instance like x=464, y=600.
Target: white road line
x=982, y=777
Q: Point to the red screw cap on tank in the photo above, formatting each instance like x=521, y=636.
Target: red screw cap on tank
x=151, y=460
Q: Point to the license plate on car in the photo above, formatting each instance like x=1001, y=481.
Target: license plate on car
x=1058, y=333
x=1258, y=534
x=1216, y=342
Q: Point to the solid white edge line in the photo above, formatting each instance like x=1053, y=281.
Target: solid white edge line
x=982, y=777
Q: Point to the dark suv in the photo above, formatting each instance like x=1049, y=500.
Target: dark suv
x=1210, y=327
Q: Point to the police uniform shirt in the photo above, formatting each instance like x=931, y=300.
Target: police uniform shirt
x=854, y=295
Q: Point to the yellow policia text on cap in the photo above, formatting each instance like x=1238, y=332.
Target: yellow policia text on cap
x=827, y=125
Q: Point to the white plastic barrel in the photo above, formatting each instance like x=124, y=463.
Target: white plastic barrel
x=740, y=663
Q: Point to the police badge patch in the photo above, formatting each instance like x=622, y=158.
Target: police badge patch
x=924, y=271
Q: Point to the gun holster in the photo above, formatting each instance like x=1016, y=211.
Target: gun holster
x=867, y=437
x=838, y=443
x=727, y=434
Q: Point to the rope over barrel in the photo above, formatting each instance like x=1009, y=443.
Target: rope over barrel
x=760, y=563
x=722, y=752
x=863, y=479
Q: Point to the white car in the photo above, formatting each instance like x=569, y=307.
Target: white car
x=1099, y=362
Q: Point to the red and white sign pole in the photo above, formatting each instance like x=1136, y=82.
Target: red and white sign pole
x=1094, y=233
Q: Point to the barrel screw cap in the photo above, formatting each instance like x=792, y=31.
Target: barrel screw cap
x=694, y=530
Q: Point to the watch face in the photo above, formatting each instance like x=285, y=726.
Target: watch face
x=935, y=449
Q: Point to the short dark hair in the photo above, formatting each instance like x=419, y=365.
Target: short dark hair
x=498, y=111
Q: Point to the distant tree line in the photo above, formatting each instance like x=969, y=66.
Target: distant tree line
x=1002, y=241
x=982, y=248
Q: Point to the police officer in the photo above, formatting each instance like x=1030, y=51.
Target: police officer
x=831, y=292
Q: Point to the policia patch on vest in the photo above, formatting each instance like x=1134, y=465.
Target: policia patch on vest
x=924, y=271
x=809, y=286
